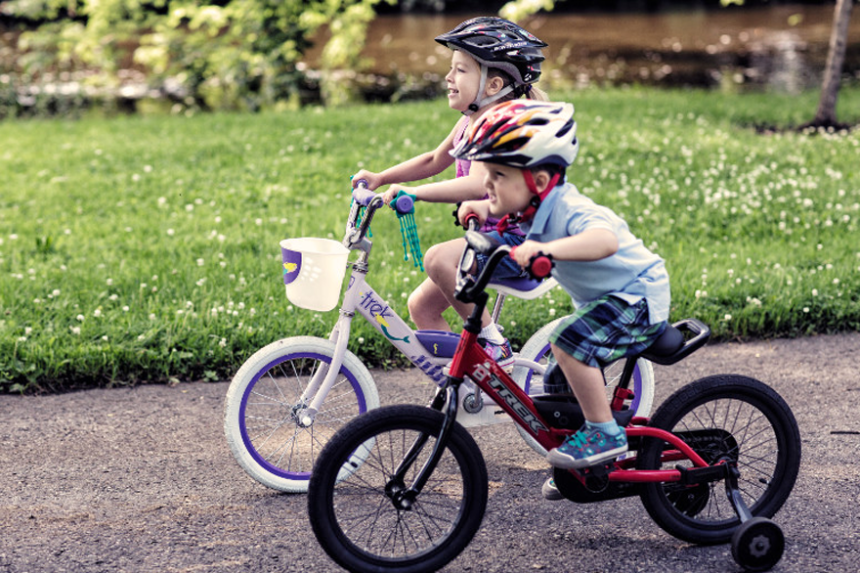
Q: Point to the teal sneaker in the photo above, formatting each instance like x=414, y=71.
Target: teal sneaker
x=502, y=354
x=588, y=447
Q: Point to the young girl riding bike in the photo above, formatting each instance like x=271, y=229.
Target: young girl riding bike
x=619, y=288
x=494, y=60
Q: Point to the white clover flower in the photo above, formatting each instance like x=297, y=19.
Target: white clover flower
x=97, y=312
x=170, y=232
x=152, y=316
x=222, y=343
x=75, y=329
x=200, y=262
x=125, y=309
x=80, y=318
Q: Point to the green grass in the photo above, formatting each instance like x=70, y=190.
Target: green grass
x=145, y=249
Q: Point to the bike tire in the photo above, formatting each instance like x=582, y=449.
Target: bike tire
x=735, y=418
x=262, y=410
x=537, y=349
x=355, y=520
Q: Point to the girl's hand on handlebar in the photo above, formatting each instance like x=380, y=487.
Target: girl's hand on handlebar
x=392, y=192
x=373, y=180
x=480, y=209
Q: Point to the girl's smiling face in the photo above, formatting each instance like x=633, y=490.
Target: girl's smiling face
x=463, y=81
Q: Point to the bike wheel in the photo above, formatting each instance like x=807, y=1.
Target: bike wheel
x=263, y=410
x=360, y=521
x=727, y=418
x=537, y=349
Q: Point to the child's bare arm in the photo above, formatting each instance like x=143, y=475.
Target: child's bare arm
x=589, y=245
x=419, y=167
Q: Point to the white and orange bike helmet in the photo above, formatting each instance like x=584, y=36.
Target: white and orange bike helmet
x=525, y=134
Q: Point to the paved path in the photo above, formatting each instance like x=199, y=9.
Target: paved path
x=141, y=480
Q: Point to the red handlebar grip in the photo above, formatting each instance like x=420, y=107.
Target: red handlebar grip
x=541, y=266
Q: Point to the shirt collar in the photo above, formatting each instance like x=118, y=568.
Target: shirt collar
x=539, y=222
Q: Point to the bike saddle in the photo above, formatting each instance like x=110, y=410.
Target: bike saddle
x=673, y=346
x=525, y=288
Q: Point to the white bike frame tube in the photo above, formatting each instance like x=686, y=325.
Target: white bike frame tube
x=381, y=316
x=324, y=378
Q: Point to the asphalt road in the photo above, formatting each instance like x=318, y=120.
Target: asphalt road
x=141, y=480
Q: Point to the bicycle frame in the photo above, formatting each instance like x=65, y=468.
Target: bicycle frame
x=362, y=298
x=471, y=361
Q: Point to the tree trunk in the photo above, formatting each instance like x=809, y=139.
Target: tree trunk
x=826, y=114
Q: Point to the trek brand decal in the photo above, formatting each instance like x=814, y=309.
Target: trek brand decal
x=523, y=413
x=380, y=312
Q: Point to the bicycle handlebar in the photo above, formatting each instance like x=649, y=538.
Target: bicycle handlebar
x=363, y=196
x=468, y=290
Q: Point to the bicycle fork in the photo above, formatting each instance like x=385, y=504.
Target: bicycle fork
x=401, y=496
x=323, y=379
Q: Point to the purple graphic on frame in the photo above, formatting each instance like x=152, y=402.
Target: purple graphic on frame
x=292, y=265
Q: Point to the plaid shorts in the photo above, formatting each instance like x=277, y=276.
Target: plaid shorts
x=606, y=330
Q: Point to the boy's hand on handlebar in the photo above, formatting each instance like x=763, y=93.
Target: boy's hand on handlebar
x=523, y=253
x=481, y=209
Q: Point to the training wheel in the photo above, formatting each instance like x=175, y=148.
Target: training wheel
x=757, y=545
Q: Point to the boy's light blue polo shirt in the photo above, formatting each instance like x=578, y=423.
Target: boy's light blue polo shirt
x=630, y=274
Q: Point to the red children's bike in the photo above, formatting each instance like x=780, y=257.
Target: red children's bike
x=404, y=488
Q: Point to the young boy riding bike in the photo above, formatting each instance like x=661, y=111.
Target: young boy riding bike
x=620, y=289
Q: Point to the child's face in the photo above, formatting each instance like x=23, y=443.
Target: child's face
x=507, y=189
x=463, y=81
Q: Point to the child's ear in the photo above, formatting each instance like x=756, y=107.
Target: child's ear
x=542, y=178
x=494, y=85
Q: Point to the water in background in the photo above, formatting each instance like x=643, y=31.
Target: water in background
x=782, y=48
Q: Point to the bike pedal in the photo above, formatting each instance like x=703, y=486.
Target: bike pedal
x=596, y=478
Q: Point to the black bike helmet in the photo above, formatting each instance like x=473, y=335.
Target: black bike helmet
x=501, y=44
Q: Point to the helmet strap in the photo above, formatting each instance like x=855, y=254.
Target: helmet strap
x=534, y=202
x=476, y=105
x=484, y=102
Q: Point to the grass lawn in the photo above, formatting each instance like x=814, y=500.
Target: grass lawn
x=146, y=248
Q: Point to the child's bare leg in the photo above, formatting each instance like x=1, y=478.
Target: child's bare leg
x=426, y=305
x=600, y=440
x=587, y=384
x=435, y=294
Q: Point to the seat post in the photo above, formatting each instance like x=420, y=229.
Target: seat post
x=497, y=307
x=627, y=373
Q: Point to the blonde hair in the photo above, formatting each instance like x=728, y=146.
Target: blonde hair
x=533, y=92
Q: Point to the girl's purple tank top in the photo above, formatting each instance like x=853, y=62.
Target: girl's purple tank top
x=463, y=170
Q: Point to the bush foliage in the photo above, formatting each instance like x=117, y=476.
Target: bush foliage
x=238, y=54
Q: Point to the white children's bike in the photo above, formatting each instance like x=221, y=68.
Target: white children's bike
x=290, y=397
